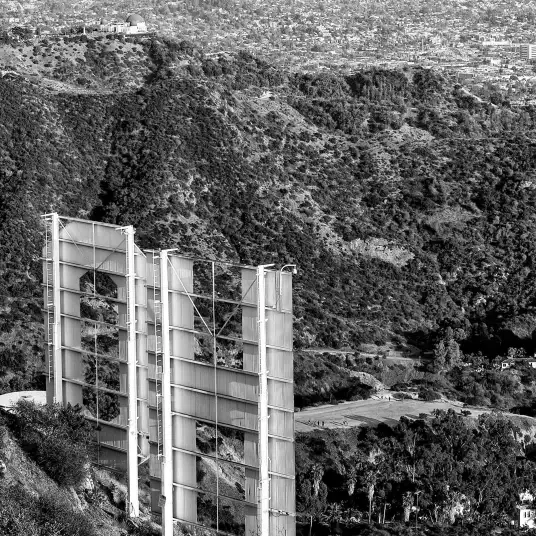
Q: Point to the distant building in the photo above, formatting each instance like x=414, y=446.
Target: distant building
x=527, y=513
x=134, y=24
x=520, y=362
x=527, y=52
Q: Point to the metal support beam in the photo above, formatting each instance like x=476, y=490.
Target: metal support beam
x=167, y=451
x=263, y=499
x=56, y=285
x=132, y=443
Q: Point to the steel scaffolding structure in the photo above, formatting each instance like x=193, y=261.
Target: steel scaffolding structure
x=204, y=386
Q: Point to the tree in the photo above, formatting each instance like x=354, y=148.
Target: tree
x=440, y=356
x=58, y=438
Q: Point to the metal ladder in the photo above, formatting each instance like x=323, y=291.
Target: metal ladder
x=50, y=317
x=157, y=307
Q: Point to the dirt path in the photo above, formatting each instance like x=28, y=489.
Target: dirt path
x=370, y=412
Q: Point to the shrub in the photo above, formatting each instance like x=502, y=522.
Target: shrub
x=144, y=528
x=429, y=395
x=402, y=396
x=23, y=514
x=57, y=438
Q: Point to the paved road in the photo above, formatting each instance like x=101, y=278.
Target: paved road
x=369, y=412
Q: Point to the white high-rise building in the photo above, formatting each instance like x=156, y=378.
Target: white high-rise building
x=527, y=51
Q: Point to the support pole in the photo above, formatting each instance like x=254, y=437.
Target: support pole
x=132, y=444
x=167, y=454
x=56, y=337
x=263, y=499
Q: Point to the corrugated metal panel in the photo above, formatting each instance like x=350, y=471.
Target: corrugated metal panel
x=238, y=385
x=115, y=437
x=251, y=358
x=184, y=468
x=70, y=305
x=279, y=329
x=123, y=377
x=180, y=274
x=155, y=465
x=249, y=324
x=184, y=430
x=182, y=344
x=280, y=364
x=251, y=528
x=141, y=348
x=280, y=394
x=249, y=286
x=181, y=311
x=151, y=341
x=282, y=494
x=70, y=276
x=271, y=288
x=152, y=425
x=72, y=393
x=151, y=392
x=282, y=456
x=243, y=414
x=72, y=365
x=282, y=525
x=113, y=459
x=252, y=484
x=251, y=451
x=123, y=345
x=70, y=332
x=143, y=382
x=141, y=318
x=156, y=486
x=121, y=314
x=191, y=374
x=105, y=260
x=91, y=233
x=281, y=423
x=184, y=504
x=143, y=419
x=230, y=382
x=151, y=366
x=286, y=292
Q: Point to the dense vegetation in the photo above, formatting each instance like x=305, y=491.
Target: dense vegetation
x=407, y=203
x=462, y=471
x=24, y=514
x=57, y=438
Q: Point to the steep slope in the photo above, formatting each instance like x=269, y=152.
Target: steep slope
x=407, y=204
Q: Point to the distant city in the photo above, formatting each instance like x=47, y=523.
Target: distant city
x=489, y=46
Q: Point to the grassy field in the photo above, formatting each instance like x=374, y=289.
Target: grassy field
x=371, y=412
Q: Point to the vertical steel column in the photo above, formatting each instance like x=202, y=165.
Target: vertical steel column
x=263, y=500
x=132, y=444
x=56, y=338
x=167, y=458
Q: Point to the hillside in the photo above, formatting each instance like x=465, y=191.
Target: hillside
x=47, y=485
x=407, y=204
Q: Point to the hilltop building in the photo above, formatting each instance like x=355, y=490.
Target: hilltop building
x=134, y=24
x=526, y=512
x=527, y=52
